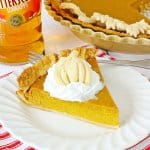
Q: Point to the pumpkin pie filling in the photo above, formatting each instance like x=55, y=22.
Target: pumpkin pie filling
x=99, y=110
x=120, y=9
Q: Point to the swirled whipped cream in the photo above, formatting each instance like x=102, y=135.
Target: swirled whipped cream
x=72, y=79
x=134, y=29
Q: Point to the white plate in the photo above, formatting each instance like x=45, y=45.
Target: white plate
x=48, y=130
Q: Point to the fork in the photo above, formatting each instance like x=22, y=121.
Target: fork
x=34, y=57
x=144, y=63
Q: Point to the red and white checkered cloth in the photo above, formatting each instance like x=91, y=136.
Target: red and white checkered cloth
x=9, y=142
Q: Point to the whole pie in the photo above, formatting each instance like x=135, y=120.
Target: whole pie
x=124, y=18
x=66, y=74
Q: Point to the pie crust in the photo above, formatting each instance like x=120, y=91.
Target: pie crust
x=101, y=110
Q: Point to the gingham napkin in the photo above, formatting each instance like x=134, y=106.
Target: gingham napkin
x=9, y=142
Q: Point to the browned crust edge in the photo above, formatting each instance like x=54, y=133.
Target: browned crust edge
x=30, y=74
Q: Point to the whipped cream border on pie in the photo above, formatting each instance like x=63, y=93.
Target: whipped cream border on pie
x=134, y=29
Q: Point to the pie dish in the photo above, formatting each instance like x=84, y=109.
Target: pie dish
x=119, y=33
x=100, y=110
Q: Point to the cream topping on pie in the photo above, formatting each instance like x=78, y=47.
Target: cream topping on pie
x=72, y=79
x=72, y=69
x=133, y=29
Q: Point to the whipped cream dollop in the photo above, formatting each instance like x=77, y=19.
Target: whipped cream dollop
x=134, y=29
x=72, y=79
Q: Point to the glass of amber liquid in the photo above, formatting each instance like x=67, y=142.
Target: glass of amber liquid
x=20, y=30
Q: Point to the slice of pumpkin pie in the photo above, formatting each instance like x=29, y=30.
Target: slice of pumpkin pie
x=69, y=83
